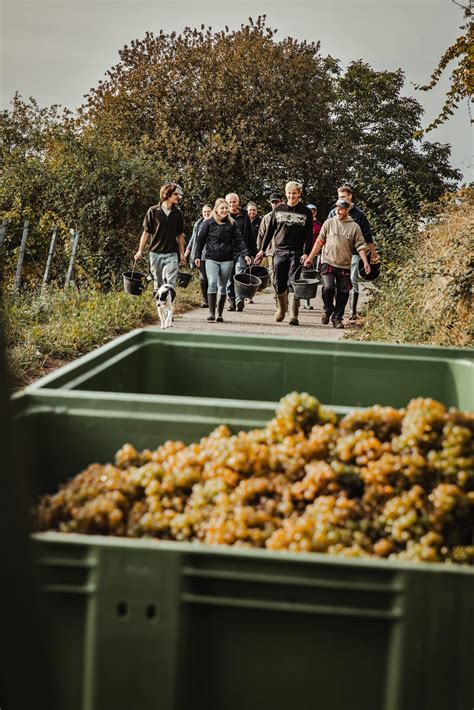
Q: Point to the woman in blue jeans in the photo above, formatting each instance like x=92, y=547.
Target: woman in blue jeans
x=223, y=242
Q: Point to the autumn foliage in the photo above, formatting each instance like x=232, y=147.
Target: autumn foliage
x=215, y=111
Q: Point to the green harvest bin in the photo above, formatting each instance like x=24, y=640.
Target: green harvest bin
x=182, y=366
x=173, y=626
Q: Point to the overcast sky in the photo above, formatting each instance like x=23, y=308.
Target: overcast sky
x=56, y=50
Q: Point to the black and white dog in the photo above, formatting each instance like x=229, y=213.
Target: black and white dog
x=164, y=297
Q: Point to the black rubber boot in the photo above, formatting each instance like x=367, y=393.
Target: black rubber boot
x=338, y=314
x=354, y=299
x=203, y=286
x=328, y=302
x=220, y=308
x=212, y=298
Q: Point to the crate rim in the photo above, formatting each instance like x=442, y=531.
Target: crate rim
x=105, y=541
x=138, y=335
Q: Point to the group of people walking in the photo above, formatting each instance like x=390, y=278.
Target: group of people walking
x=227, y=239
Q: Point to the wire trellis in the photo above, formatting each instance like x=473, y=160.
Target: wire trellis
x=45, y=274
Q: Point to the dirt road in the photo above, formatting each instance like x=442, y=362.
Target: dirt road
x=258, y=318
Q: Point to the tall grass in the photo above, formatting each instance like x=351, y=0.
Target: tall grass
x=43, y=331
x=426, y=298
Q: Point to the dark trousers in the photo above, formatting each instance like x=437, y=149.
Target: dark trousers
x=285, y=264
x=336, y=282
x=238, y=268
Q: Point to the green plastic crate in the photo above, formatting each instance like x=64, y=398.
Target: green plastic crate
x=146, y=624
x=155, y=363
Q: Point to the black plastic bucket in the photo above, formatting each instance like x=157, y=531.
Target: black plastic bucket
x=311, y=274
x=304, y=287
x=374, y=269
x=246, y=285
x=133, y=282
x=262, y=273
x=183, y=279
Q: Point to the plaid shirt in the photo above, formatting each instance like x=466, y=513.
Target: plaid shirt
x=328, y=269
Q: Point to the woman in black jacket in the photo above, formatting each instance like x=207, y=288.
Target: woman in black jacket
x=223, y=242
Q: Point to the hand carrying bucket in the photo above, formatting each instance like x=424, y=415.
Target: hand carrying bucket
x=311, y=274
x=133, y=282
x=304, y=287
x=183, y=279
x=262, y=273
x=246, y=285
x=374, y=269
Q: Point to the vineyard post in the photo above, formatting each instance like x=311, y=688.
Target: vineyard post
x=73, y=256
x=49, y=260
x=21, y=256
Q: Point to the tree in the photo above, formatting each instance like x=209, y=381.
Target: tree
x=104, y=188
x=376, y=145
x=26, y=130
x=239, y=110
x=214, y=111
x=56, y=172
x=230, y=110
x=462, y=76
x=26, y=182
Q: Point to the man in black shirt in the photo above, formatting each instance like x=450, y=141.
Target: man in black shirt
x=163, y=227
x=291, y=228
x=242, y=220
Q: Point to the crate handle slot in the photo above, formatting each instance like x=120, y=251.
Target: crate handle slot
x=294, y=581
x=393, y=615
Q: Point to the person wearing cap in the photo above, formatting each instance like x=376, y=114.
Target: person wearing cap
x=345, y=193
x=340, y=236
x=290, y=225
x=276, y=198
x=316, y=230
x=163, y=227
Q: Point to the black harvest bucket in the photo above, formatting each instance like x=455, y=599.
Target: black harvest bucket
x=133, y=282
x=304, y=287
x=183, y=279
x=262, y=273
x=374, y=269
x=311, y=274
x=246, y=285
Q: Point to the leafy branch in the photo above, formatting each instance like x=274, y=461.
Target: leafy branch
x=462, y=76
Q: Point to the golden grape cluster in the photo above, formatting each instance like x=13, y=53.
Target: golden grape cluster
x=383, y=482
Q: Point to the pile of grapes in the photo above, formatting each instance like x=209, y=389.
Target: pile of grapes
x=381, y=482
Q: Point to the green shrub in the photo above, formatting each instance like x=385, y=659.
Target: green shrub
x=426, y=296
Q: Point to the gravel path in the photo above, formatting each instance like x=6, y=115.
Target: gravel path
x=258, y=318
